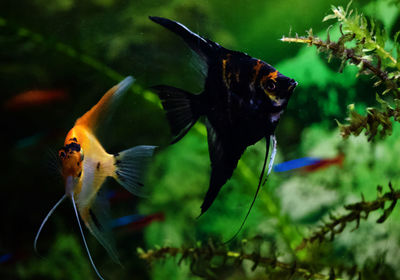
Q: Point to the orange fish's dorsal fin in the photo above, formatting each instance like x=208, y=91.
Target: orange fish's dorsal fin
x=92, y=117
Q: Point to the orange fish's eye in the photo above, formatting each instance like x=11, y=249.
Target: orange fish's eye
x=61, y=153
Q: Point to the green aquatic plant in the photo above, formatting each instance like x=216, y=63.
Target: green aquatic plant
x=363, y=42
x=206, y=260
x=357, y=212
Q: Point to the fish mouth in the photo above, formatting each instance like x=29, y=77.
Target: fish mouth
x=69, y=185
x=292, y=85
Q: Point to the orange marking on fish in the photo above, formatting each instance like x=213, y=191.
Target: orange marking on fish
x=224, y=77
x=237, y=75
x=273, y=75
x=33, y=98
x=256, y=69
x=270, y=76
x=264, y=79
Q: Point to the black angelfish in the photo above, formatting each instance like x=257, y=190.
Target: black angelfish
x=242, y=101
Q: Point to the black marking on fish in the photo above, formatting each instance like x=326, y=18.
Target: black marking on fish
x=139, y=184
x=73, y=147
x=80, y=173
x=73, y=139
x=119, y=176
x=241, y=102
x=95, y=220
x=98, y=165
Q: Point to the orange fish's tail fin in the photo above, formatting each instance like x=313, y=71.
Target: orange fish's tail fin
x=92, y=117
x=131, y=166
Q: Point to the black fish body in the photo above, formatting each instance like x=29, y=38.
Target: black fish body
x=242, y=101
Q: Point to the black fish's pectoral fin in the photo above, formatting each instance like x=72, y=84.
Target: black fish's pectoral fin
x=224, y=157
x=201, y=46
x=182, y=108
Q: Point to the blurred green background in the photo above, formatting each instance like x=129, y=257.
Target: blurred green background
x=41, y=43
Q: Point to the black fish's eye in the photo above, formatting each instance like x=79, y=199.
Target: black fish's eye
x=270, y=85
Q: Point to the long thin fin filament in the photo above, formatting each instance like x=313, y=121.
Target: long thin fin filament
x=84, y=239
x=45, y=220
x=271, y=158
x=273, y=153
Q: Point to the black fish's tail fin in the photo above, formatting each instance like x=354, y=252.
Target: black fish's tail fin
x=260, y=182
x=201, y=46
x=182, y=109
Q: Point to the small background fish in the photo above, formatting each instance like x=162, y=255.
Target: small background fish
x=309, y=164
x=35, y=98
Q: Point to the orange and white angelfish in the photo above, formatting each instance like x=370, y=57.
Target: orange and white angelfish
x=86, y=165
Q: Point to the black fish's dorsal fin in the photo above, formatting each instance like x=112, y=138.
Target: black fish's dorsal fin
x=224, y=157
x=271, y=162
x=201, y=46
